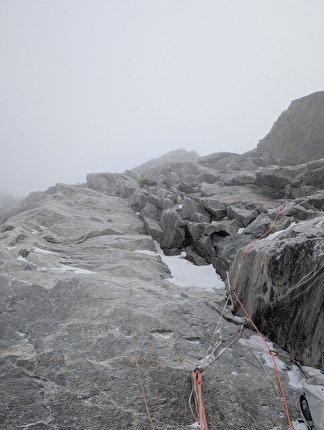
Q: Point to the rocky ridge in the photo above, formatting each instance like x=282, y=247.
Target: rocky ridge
x=70, y=262
x=215, y=228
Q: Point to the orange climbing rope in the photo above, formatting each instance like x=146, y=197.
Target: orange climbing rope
x=199, y=404
x=138, y=370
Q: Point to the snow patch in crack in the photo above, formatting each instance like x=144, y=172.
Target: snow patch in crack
x=186, y=274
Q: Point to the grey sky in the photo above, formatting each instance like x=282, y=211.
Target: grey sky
x=105, y=85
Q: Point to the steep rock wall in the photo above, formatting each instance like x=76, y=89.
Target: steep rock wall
x=281, y=286
x=298, y=134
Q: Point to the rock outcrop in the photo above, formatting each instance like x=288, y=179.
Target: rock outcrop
x=298, y=134
x=281, y=283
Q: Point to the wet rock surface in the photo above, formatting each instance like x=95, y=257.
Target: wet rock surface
x=80, y=304
x=68, y=347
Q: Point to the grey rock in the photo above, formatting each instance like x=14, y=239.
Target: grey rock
x=193, y=210
x=194, y=230
x=227, y=162
x=112, y=183
x=226, y=250
x=156, y=200
x=298, y=134
x=209, y=177
x=151, y=211
x=71, y=256
x=171, y=179
x=139, y=199
x=153, y=229
x=280, y=282
x=173, y=228
x=193, y=257
x=223, y=228
x=241, y=214
x=67, y=353
x=264, y=222
x=204, y=248
x=298, y=211
x=189, y=187
x=277, y=177
x=317, y=200
x=214, y=207
x=173, y=157
x=168, y=204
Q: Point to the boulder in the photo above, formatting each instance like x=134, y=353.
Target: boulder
x=215, y=208
x=241, y=214
x=226, y=249
x=168, y=204
x=193, y=210
x=194, y=231
x=317, y=200
x=264, y=222
x=204, y=248
x=173, y=228
x=139, y=199
x=298, y=211
x=223, y=228
x=151, y=211
x=156, y=200
x=153, y=228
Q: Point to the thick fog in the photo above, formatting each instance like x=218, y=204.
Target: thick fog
x=105, y=85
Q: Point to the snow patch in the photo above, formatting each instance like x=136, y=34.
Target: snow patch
x=146, y=252
x=42, y=251
x=257, y=344
x=299, y=425
x=164, y=336
x=195, y=425
x=294, y=376
x=21, y=258
x=76, y=270
x=272, y=236
x=186, y=274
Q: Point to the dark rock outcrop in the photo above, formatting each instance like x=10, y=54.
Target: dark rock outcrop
x=281, y=283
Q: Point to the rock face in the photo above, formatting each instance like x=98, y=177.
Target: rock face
x=298, y=134
x=80, y=304
x=84, y=295
x=282, y=280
